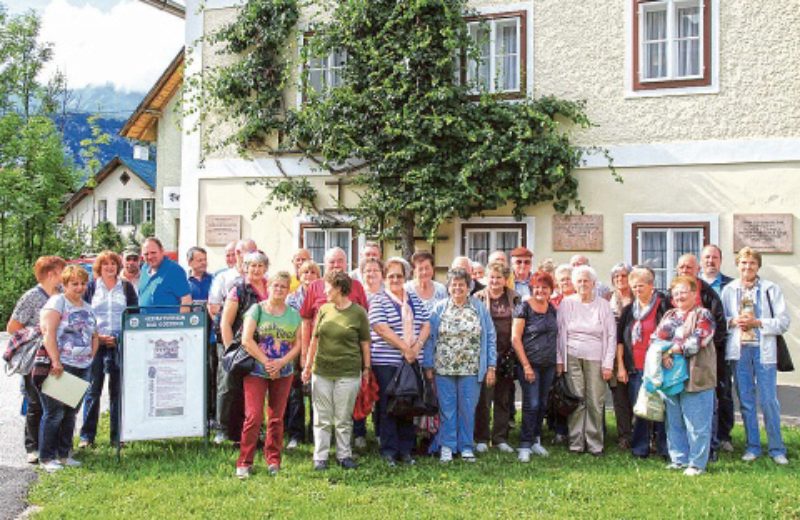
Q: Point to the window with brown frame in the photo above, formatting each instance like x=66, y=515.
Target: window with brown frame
x=319, y=239
x=658, y=245
x=671, y=44
x=478, y=241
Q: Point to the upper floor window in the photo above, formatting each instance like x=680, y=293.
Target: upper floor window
x=501, y=43
x=672, y=43
x=326, y=72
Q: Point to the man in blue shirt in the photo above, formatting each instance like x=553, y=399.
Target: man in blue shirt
x=163, y=282
x=199, y=279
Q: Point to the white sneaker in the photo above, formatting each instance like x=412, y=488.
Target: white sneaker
x=69, y=462
x=505, y=448
x=51, y=466
x=446, y=454
x=749, y=457
x=691, y=471
x=780, y=459
x=243, y=472
x=524, y=455
x=360, y=443
x=220, y=438
x=467, y=456
x=538, y=450
x=481, y=447
x=33, y=457
x=292, y=444
x=675, y=466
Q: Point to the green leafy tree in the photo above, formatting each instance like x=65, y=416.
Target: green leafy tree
x=107, y=236
x=419, y=146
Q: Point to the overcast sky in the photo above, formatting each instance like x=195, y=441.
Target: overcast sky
x=123, y=42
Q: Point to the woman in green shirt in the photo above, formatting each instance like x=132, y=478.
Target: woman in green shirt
x=338, y=353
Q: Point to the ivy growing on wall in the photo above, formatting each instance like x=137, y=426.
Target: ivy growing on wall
x=417, y=145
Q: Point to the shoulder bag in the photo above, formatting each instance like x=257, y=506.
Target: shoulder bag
x=784, y=358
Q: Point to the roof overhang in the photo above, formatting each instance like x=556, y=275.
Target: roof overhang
x=143, y=124
x=168, y=6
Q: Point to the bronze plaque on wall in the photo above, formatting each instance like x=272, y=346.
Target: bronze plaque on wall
x=577, y=232
x=221, y=229
x=764, y=232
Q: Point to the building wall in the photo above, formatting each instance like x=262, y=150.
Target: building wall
x=111, y=189
x=168, y=165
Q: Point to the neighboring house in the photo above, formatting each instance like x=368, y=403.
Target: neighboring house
x=698, y=102
x=156, y=121
x=123, y=195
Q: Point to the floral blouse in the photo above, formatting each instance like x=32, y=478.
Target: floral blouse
x=671, y=329
x=459, y=346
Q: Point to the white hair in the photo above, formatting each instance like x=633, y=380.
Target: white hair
x=582, y=269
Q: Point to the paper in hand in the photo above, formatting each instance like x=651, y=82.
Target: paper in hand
x=67, y=388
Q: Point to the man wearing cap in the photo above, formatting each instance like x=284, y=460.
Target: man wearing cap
x=131, y=270
x=521, y=262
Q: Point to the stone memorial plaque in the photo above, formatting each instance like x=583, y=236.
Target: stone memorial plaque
x=221, y=229
x=577, y=232
x=764, y=232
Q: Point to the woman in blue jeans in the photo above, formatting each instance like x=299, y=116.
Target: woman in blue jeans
x=637, y=322
x=461, y=351
x=70, y=337
x=109, y=296
x=756, y=314
x=534, y=336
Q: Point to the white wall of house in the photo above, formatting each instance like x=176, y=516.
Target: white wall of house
x=168, y=165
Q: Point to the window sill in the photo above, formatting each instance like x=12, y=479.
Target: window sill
x=672, y=91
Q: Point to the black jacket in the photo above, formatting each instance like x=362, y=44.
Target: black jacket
x=713, y=303
x=625, y=326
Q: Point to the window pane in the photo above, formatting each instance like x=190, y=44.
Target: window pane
x=338, y=59
x=315, y=79
x=507, y=241
x=478, y=245
x=655, y=44
x=478, y=71
x=653, y=253
x=507, y=56
x=340, y=238
x=314, y=241
x=687, y=242
x=688, y=41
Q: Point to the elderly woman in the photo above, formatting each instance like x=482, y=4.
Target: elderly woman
x=690, y=329
x=563, y=280
x=295, y=417
x=47, y=271
x=623, y=409
x=587, y=343
x=109, y=296
x=461, y=352
x=245, y=293
x=501, y=301
x=70, y=337
x=372, y=276
x=635, y=327
x=337, y=359
x=400, y=328
x=535, y=338
x=423, y=285
x=756, y=313
x=276, y=325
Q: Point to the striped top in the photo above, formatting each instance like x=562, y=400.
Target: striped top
x=383, y=310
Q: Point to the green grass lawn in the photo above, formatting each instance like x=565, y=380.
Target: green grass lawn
x=183, y=478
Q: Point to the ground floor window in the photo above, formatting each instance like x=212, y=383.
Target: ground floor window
x=660, y=244
x=480, y=240
x=318, y=240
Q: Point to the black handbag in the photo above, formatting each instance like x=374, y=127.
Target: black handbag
x=407, y=393
x=784, y=363
x=562, y=401
x=236, y=359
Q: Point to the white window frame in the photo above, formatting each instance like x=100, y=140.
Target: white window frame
x=305, y=228
x=327, y=69
x=667, y=218
x=127, y=211
x=528, y=222
x=493, y=57
x=669, y=90
x=149, y=210
x=671, y=8
x=102, y=210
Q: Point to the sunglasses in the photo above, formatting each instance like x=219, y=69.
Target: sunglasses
x=523, y=262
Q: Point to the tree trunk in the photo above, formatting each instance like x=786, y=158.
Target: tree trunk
x=407, y=243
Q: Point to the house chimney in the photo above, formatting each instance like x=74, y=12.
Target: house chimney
x=141, y=152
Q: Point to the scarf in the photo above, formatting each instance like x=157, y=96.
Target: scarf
x=406, y=315
x=640, y=313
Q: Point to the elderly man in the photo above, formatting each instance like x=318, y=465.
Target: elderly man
x=163, y=283
x=498, y=256
x=335, y=260
x=521, y=263
x=462, y=262
x=224, y=281
x=199, y=278
x=371, y=250
x=131, y=270
x=300, y=256
x=230, y=257
x=600, y=289
x=710, y=262
x=708, y=298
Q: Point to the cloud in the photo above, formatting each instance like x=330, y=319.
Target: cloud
x=128, y=45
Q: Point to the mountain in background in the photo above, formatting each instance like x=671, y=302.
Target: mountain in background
x=114, y=108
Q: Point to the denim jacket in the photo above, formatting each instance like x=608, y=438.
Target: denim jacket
x=488, y=354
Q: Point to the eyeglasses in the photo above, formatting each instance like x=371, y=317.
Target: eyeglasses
x=523, y=262
x=394, y=276
x=680, y=293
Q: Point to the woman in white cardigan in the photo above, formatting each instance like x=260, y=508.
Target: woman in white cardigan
x=756, y=314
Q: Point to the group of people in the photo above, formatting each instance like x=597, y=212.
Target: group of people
x=474, y=338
